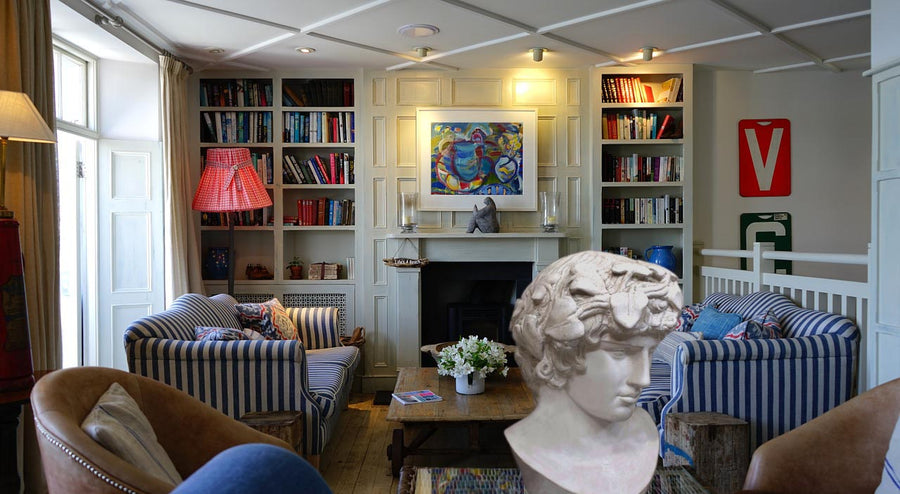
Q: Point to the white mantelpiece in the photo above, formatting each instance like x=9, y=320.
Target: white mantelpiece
x=540, y=249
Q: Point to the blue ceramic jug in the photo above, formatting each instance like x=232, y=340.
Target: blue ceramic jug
x=662, y=255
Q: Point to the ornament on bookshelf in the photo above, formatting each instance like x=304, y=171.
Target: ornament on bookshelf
x=216, y=263
x=324, y=271
x=296, y=267
x=258, y=272
x=484, y=219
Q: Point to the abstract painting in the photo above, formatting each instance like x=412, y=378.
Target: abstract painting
x=466, y=155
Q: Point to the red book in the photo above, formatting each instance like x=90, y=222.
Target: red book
x=322, y=169
x=662, y=128
x=334, y=170
x=320, y=211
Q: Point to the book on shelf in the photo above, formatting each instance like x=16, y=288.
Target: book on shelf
x=665, y=126
x=419, y=396
x=669, y=90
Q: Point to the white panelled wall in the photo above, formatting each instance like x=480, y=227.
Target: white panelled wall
x=388, y=133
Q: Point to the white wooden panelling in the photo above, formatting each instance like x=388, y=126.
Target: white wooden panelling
x=430, y=219
x=130, y=175
x=573, y=141
x=121, y=316
x=382, y=344
x=888, y=250
x=887, y=347
x=888, y=93
x=379, y=147
x=379, y=202
x=573, y=202
x=574, y=244
x=477, y=92
x=379, y=91
x=131, y=239
x=531, y=92
x=379, y=252
x=418, y=92
x=406, y=142
x=547, y=138
x=573, y=92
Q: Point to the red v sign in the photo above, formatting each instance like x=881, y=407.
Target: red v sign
x=765, y=157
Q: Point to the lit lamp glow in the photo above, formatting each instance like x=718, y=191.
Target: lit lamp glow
x=230, y=184
x=19, y=121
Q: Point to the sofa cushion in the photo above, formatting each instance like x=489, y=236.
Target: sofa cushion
x=714, y=324
x=763, y=325
x=178, y=321
x=346, y=356
x=655, y=396
x=325, y=383
x=117, y=423
x=689, y=314
x=318, y=327
x=209, y=333
x=268, y=318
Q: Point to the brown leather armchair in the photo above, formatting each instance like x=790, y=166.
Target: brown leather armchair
x=190, y=431
x=841, y=451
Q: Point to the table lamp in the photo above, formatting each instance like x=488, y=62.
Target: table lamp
x=230, y=184
x=19, y=121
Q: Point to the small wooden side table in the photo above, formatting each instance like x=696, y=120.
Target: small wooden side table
x=717, y=447
x=10, y=409
x=287, y=426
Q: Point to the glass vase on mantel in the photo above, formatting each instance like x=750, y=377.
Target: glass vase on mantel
x=471, y=384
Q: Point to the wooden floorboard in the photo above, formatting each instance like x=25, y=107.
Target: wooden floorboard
x=355, y=460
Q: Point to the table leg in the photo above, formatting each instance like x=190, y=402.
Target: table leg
x=9, y=463
x=395, y=451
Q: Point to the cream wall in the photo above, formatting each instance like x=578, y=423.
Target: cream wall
x=830, y=118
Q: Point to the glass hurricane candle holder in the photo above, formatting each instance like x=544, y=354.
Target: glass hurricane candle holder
x=550, y=211
x=409, y=215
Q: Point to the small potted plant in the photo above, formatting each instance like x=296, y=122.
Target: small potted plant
x=296, y=267
x=470, y=361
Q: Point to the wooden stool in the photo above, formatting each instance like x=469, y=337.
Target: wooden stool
x=287, y=426
x=716, y=446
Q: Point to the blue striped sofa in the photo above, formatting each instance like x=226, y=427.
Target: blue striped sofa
x=774, y=384
x=237, y=377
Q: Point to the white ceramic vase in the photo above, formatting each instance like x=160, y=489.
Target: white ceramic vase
x=471, y=384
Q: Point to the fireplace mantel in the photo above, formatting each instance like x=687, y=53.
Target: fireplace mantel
x=540, y=249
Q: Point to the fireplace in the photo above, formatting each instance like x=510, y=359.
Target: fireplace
x=460, y=299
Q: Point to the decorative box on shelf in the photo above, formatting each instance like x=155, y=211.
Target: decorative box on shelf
x=324, y=271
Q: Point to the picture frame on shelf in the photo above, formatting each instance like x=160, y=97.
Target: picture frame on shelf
x=467, y=154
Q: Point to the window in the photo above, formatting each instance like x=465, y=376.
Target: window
x=73, y=80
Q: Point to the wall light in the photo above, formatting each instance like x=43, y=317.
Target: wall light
x=647, y=52
x=537, y=54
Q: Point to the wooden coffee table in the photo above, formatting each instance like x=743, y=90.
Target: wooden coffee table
x=504, y=401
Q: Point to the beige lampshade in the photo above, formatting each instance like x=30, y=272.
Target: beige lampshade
x=21, y=121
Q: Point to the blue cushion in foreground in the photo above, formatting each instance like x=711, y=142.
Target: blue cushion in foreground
x=714, y=324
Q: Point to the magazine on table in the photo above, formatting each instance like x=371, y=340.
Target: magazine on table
x=420, y=396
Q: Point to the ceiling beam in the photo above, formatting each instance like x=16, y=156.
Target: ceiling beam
x=767, y=31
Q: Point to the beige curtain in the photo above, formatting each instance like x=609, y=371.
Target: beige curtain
x=26, y=64
x=183, y=258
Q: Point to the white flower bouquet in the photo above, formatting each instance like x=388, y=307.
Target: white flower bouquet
x=473, y=355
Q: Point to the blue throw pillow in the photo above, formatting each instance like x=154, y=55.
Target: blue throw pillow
x=714, y=324
x=209, y=333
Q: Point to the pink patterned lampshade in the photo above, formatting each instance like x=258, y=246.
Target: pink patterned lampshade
x=229, y=183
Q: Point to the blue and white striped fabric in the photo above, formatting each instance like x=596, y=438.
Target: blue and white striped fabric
x=774, y=384
x=237, y=377
x=318, y=327
x=654, y=397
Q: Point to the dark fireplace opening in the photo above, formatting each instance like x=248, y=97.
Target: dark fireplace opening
x=460, y=299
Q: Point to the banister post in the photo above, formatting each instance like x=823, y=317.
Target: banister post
x=760, y=265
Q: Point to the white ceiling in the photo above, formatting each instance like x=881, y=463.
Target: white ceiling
x=758, y=35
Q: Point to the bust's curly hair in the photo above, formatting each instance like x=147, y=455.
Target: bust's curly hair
x=572, y=303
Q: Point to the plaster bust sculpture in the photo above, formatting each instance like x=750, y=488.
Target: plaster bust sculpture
x=585, y=331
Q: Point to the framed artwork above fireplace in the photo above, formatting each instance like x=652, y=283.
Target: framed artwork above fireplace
x=465, y=155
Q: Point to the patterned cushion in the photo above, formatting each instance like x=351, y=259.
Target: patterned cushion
x=665, y=351
x=714, y=324
x=117, y=423
x=762, y=325
x=211, y=333
x=318, y=327
x=268, y=318
x=253, y=335
x=689, y=314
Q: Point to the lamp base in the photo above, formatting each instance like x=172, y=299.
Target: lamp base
x=16, y=368
x=6, y=214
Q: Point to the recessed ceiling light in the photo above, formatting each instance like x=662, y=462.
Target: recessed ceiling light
x=305, y=50
x=216, y=51
x=418, y=30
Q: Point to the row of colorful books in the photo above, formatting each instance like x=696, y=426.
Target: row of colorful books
x=326, y=212
x=630, y=89
x=256, y=217
x=317, y=92
x=636, y=168
x=319, y=126
x=623, y=251
x=643, y=210
x=639, y=124
x=236, y=127
x=236, y=92
x=337, y=169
